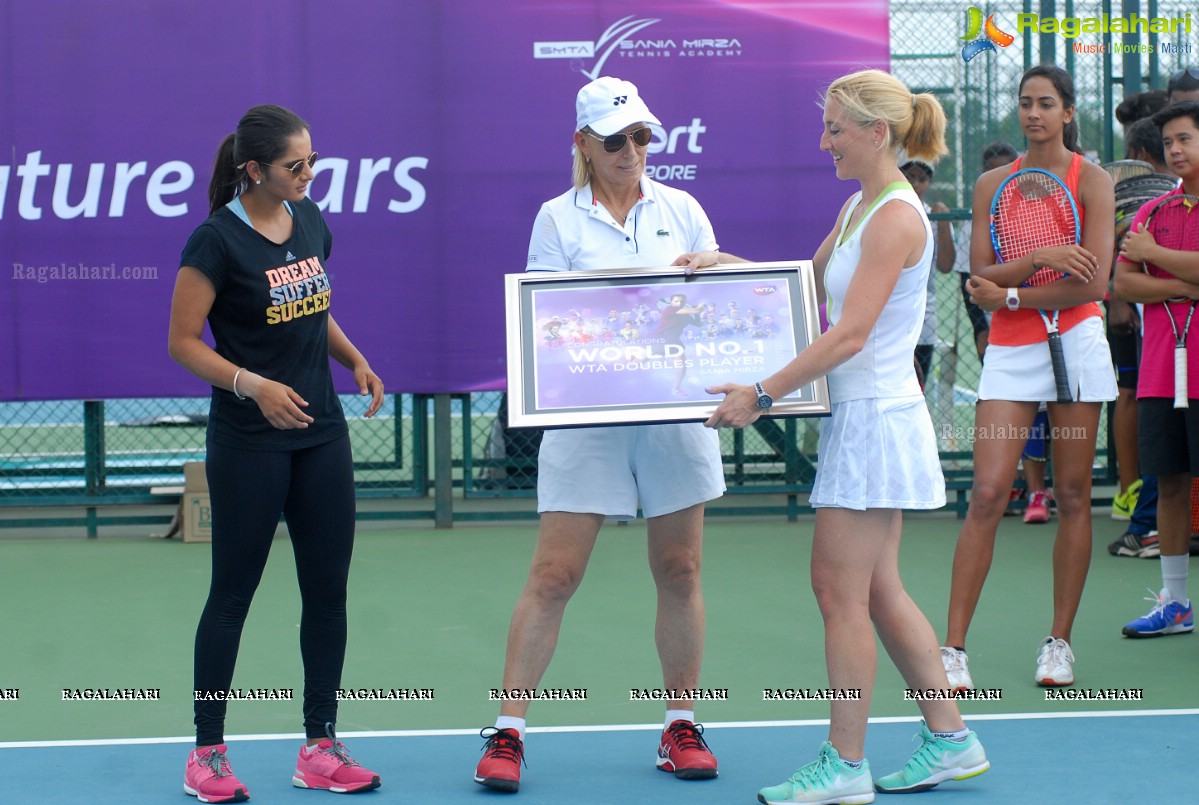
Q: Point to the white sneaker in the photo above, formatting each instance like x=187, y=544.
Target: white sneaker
x=956, y=669
x=1055, y=663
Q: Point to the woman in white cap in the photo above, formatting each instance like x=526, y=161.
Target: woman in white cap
x=616, y=217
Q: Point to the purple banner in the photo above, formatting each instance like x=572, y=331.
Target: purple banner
x=442, y=126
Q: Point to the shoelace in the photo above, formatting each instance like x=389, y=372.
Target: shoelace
x=924, y=756
x=814, y=775
x=338, y=749
x=217, y=763
x=503, y=744
x=1059, y=653
x=687, y=735
x=1159, y=604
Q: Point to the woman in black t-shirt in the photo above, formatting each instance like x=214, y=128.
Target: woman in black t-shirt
x=277, y=437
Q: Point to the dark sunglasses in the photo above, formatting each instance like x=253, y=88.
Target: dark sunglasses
x=614, y=143
x=297, y=168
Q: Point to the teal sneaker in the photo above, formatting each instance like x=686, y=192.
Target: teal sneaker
x=824, y=781
x=937, y=760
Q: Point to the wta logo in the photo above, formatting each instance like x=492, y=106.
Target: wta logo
x=980, y=37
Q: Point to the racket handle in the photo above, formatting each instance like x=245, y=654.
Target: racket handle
x=1181, y=394
x=1058, y=358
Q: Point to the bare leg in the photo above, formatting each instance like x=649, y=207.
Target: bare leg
x=1124, y=423
x=564, y=546
x=907, y=635
x=676, y=558
x=1001, y=432
x=1073, y=454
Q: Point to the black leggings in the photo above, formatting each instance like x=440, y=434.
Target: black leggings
x=314, y=489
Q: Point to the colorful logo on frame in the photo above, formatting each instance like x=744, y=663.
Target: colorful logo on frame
x=980, y=37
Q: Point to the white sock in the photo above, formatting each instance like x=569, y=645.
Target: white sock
x=511, y=723
x=1174, y=576
x=956, y=735
x=674, y=715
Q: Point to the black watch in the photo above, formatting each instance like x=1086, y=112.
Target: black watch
x=764, y=399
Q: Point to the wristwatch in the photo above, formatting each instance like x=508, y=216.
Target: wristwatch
x=1013, y=299
x=764, y=399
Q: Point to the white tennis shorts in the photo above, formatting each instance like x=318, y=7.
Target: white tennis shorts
x=1025, y=374
x=606, y=471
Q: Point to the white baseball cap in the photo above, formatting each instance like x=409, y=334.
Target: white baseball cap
x=609, y=104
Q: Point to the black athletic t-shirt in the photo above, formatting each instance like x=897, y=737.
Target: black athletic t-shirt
x=271, y=316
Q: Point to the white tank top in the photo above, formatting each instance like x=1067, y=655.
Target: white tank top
x=884, y=367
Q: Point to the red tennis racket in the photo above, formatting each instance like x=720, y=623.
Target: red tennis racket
x=1034, y=209
x=1174, y=223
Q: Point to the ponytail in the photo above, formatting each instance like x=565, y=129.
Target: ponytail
x=227, y=180
x=915, y=123
x=925, y=138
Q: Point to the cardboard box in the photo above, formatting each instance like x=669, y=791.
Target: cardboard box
x=197, y=510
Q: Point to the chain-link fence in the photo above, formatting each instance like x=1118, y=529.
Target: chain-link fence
x=121, y=451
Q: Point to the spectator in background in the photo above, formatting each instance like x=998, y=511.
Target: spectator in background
x=1138, y=107
x=1136, y=501
x=1143, y=141
x=994, y=155
x=1017, y=376
x=1183, y=86
x=920, y=175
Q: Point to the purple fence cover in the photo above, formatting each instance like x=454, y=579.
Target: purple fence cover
x=442, y=125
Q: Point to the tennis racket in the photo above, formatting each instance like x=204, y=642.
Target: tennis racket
x=1134, y=193
x=1033, y=209
x=1123, y=169
x=1174, y=224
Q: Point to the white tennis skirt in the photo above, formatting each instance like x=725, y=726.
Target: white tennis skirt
x=879, y=454
x=1025, y=374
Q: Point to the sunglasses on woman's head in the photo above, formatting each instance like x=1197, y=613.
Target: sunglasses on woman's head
x=298, y=167
x=614, y=143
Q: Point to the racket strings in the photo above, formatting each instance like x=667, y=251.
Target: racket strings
x=1030, y=220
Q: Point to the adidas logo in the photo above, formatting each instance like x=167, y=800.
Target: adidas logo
x=290, y=256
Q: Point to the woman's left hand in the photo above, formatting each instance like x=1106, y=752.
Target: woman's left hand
x=369, y=383
x=695, y=260
x=986, y=294
x=738, y=408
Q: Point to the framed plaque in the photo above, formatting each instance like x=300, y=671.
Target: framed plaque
x=627, y=346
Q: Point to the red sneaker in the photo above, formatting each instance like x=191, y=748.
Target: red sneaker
x=208, y=777
x=329, y=767
x=1038, y=508
x=685, y=753
x=502, y=755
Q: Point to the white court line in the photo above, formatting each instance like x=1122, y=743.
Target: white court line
x=813, y=722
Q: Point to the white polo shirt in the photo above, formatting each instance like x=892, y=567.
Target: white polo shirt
x=574, y=232
x=608, y=470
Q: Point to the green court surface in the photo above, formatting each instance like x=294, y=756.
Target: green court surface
x=429, y=609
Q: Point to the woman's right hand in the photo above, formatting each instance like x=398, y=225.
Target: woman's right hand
x=1070, y=259
x=280, y=404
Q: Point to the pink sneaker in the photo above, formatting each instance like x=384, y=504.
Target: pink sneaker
x=1038, y=508
x=208, y=777
x=329, y=767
